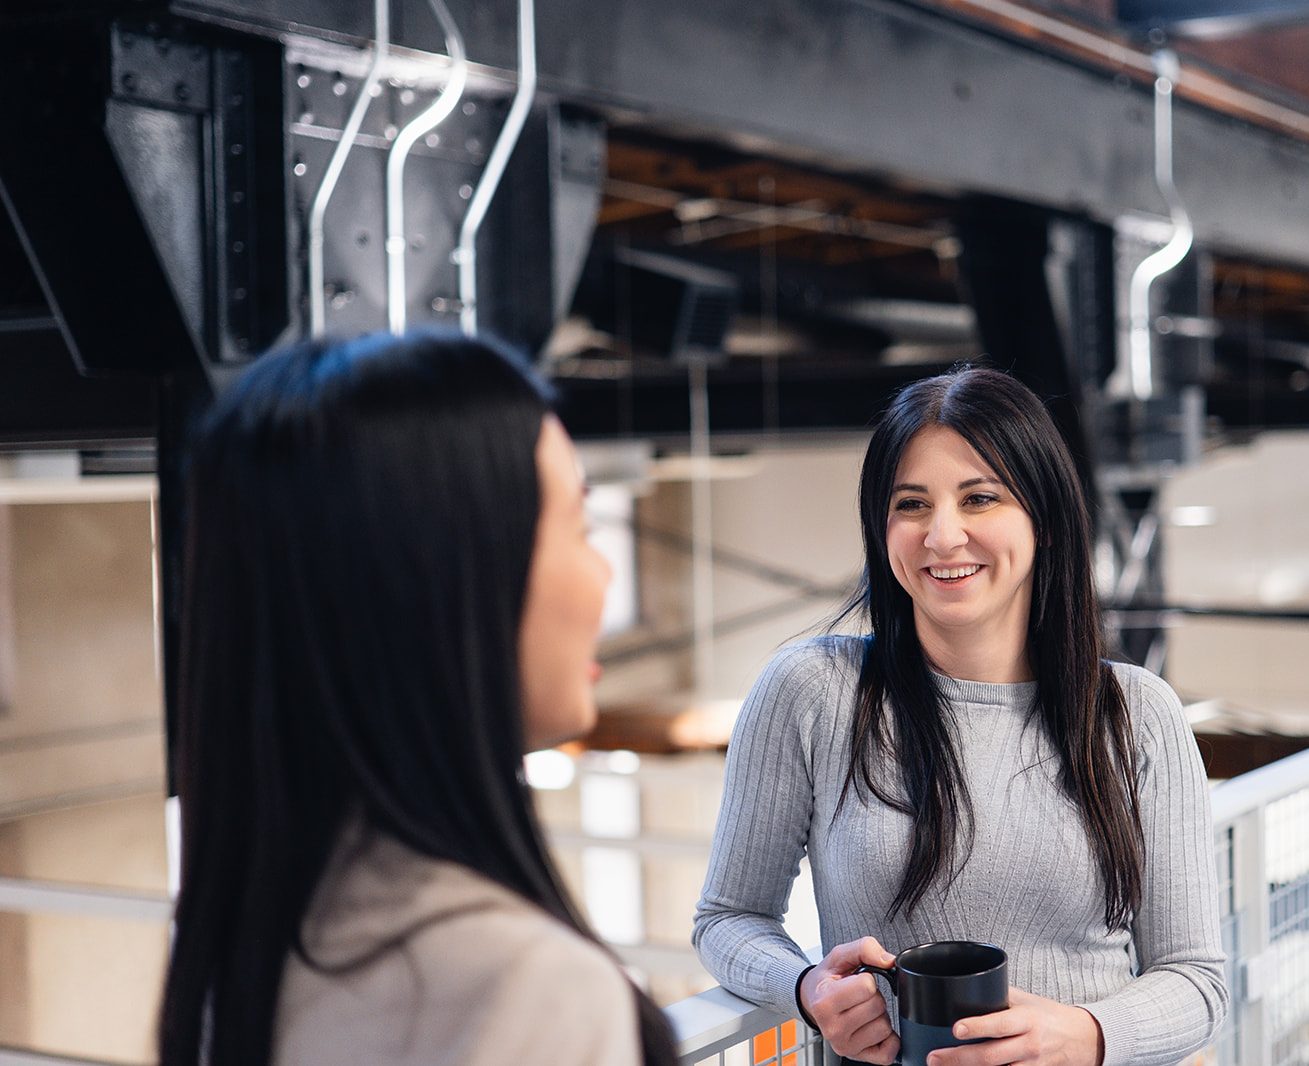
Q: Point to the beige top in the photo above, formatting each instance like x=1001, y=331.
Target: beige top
x=455, y=970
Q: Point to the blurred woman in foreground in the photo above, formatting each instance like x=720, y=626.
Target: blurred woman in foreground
x=389, y=599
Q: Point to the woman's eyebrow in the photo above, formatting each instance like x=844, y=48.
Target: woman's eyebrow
x=905, y=487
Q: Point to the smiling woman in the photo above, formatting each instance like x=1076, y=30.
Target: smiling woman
x=962, y=546
x=973, y=768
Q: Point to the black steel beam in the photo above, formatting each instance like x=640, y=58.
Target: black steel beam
x=1210, y=18
x=876, y=87
x=744, y=396
x=44, y=401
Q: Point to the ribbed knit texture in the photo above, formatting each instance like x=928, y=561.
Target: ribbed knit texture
x=1030, y=884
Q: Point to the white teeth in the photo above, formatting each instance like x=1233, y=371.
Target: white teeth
x=962, y=571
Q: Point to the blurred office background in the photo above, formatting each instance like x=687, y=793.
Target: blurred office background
x=727, y=233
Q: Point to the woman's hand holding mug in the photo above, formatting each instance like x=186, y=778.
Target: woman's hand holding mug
x=847, y=1006
x=1032, y=1030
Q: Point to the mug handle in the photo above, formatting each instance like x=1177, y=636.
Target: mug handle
x=889, y=972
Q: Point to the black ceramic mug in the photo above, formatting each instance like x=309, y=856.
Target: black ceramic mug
x=939, y=984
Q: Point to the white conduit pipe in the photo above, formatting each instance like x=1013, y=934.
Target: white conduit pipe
x=318, y=210
x=1140, y=359
x=420, y=125
x=495, y=167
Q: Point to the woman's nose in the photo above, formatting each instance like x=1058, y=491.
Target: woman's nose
x=946, y=533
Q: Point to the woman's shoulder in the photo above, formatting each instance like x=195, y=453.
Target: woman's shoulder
x=520, y=977
x=1156, y=710
x=380, y=890
x=510, y=948
x=808, y=678
x=818, y=658
x=449, y=958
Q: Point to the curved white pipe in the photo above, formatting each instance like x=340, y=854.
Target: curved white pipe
x=318, y=209
x=495, y=167
x=418, y=126
x=1154, y=266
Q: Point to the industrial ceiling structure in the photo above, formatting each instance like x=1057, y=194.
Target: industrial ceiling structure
x=789, y=207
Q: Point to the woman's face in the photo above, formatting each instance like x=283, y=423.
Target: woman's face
x=566, y=585
x=960, y=544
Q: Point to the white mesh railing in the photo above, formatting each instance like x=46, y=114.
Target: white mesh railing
x=1261, y=823
x=718, y=1028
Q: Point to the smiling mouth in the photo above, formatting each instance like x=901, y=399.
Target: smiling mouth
x=952, y=575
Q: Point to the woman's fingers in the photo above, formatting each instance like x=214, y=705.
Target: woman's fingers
x=1034, y=1030
x=1009, y=1022
x=868, y=1038
x=884, y=1053
x=862, y=1020
x=1012, y=1049
x=846, y=958
x=833, y=986
x=843, y=993
x=842, y=1002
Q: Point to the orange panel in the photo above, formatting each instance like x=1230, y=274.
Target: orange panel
x=789, y=1040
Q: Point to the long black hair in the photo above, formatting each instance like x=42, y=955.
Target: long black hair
x=359, y=527
x=899, y=711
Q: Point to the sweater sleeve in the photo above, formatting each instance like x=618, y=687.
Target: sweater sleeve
x=1178, y=1001
x=762, y=832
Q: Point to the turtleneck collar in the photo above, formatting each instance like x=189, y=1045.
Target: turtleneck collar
x=1018, y=694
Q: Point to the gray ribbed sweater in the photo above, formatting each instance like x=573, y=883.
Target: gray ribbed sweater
x=1030, y=884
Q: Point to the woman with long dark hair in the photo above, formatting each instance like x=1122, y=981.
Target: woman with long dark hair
x=973, y=769
x=389, y=597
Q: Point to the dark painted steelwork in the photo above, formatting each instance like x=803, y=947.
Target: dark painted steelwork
x=1210, y=18
x=45, y=402
x=878, y=87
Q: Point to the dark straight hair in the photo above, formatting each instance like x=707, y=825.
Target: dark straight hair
x=899, y=711
x=360, y=523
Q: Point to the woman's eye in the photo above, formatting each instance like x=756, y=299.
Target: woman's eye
x=981, y=499
x=910, y=505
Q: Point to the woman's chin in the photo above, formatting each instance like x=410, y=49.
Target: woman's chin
x=577, y=725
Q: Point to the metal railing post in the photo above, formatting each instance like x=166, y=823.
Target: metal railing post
x=1250, y=891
